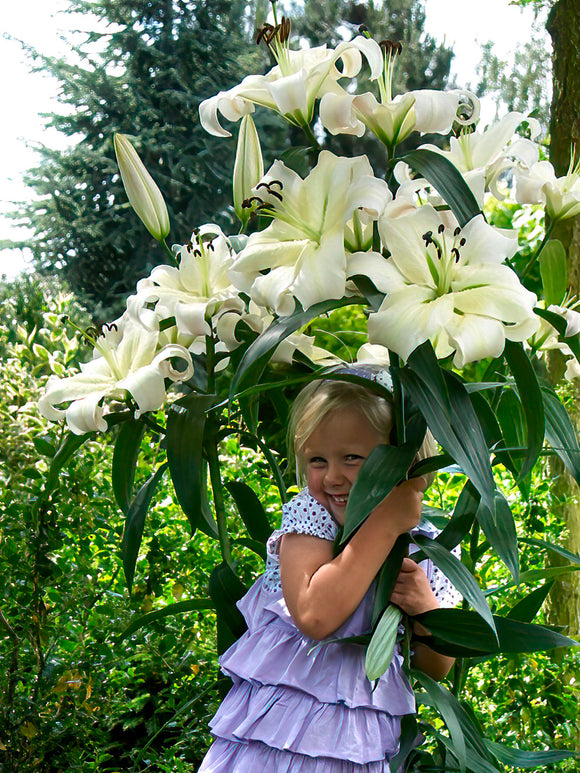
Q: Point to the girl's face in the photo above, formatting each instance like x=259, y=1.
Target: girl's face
x=334, y=454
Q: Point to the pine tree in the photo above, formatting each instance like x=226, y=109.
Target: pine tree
x=147, y=79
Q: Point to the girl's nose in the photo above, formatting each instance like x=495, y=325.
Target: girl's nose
x=334, y=474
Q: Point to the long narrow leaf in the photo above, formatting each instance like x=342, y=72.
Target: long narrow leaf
x=380, y=650
x=251, y=511
x=448, y=706
x=387, y=576
x=574, y=558
x=560, y=432
x=521, y=758
x=448, y=181
x=499, y=528
x=447, y=408
x=526, y=609
x=531, y=398
x=462, y=519
x=185, y=437
x=225, y=589
x=65, y=451
x=458, y=574
x=125, y=461
x=135, y=522
x=259, y=352
x=463, y=633
x=553, y=271
x=192, y=605
x=382, y=470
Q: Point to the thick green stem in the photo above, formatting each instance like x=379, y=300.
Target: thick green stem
x=398, y=400
x=218, y=492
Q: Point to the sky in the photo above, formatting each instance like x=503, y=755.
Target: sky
x=463, y=24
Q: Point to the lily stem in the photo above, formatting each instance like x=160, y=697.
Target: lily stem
x=538, y=252
x=170, y=254
x=218, y=491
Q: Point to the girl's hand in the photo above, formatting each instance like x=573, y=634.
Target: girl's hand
x=412, y=592
x=400, y=511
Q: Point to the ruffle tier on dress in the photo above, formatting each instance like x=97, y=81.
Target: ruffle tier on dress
x=299, y=706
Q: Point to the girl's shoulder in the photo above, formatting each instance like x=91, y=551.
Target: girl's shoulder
x=305, y=515
x=302, y=515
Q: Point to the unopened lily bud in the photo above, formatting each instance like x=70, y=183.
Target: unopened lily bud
x=144, y=195
x=248, y=168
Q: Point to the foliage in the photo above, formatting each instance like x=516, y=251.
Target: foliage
x=438, y=285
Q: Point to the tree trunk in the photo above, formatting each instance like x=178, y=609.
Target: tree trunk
x=564, y=28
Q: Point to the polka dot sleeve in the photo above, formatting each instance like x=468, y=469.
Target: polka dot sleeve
x=302, y=515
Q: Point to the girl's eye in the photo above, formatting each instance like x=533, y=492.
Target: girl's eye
x=353, y=458
x=317, y=461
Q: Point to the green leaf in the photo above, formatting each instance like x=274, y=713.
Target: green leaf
x=463, y=633
x=160, y=614
x=252, y=544
x=531, y=399
x=387, y=576
x=574, y=558
x=500, y=529
x=185, y=437
x=43, y=445
x=448, y=181
x=526, y=609
x=560, y=432
x=449, y=708
x=259, y=352
x=458, y=574
x=251, y=511
x=135, y=522
x=447, y=408
x=521, y=758
x=125, y=457
x=462, y=519
x=225, y=589
x=553, y=272
x=384, y=467
x=510, y=414
x=380, y=650
x=69, y=446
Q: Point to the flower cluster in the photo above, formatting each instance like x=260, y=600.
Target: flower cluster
x=442, y=278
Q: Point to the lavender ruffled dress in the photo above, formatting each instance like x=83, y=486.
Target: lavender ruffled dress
x=294, y=709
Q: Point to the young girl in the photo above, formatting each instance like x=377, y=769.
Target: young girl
x=294, y=707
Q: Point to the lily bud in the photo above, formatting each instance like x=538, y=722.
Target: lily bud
x=144, y=195
x=248, y=168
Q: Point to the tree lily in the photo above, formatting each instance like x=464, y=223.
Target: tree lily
x=393, y=119
x=561, y=195
x=301, y=254
x=447, y=287
x=248, y=167
x=144, y=195
x=293, y=85
x=192, y=292
x=126, y=359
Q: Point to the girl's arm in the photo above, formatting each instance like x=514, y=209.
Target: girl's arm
x=413, y=594
x=321, y=592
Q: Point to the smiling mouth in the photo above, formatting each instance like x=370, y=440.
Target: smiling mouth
x=339, y=499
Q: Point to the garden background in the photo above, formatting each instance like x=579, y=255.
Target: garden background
x=95, y=677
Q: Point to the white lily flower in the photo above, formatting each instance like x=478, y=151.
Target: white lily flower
x=482, y=157
x=258, y=319
x=126, y=359
x=248, y=167
x=193, y=292
x=561, y=195
x=450, y=288
x=393, y=119
x=144, y=195
x=301, y=254
x=293, y=85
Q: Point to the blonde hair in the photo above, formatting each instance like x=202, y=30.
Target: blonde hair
x=319, y=399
